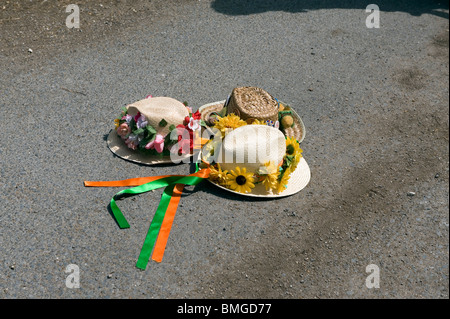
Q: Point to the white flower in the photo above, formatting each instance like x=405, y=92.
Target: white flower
x=194, y=124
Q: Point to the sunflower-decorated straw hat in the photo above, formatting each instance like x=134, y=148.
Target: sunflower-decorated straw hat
x=256, y=160
x=149, y=131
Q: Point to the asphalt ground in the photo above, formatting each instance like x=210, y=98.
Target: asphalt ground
x=375, y=103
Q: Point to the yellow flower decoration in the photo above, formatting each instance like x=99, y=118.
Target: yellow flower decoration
x=269, y=175
x=218, y=175
x=292, y=146
x=258, y=122
x=296, y=160
x=282, y=184
x=229, y=122
x=116, y=123
x=293, y=149
x=240, y=180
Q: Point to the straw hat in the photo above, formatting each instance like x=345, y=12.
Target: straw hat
x=252, y=103
x=257, y=161
x=143, y=130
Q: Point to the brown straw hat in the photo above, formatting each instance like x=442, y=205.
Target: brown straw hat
x=252, y=103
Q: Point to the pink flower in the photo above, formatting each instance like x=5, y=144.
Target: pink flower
x=189, y=109
x=148, y=96
x=130, y=143
x=123, y=130
x=157, y=144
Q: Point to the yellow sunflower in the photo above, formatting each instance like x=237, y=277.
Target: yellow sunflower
x=241, y=181
x=258, y=122
x=293, y=149
x=282, y=184
x=218, y=175
x=292, y=146
x=229, y=122
x=269, y=175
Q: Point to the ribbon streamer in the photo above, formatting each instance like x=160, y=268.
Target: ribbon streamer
x=162, y=221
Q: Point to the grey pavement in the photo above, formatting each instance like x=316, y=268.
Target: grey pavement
x=375, y=104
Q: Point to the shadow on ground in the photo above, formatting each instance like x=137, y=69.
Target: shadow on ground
x=246, y=7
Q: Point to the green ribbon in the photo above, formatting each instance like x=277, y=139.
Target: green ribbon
x=155, y=225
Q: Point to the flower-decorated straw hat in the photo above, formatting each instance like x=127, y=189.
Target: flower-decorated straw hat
x=254, y=106
x=257, y=161
x=149, y=131
x=248, y=151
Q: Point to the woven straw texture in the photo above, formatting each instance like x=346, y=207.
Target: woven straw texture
x=157, y=108
x=253, y=103
x=298, y=131
x=209, y=108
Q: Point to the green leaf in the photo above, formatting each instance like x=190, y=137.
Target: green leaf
x=133, y=124
x=143, y=142
x=167, y=139
x=289, y=159
x=202, y=123
x=151, y=138
x=163, y=123
x=185, y=103
x=150, y=129
x=138, y=131
x=172, y=127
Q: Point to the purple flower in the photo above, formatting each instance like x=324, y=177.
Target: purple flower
x=141, y=122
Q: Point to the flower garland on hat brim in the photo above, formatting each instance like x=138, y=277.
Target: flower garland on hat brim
x=274, y=177
x=139, y=135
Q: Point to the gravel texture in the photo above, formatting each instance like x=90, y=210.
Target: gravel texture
x=375, y=103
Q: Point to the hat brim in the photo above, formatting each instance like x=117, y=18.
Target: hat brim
x=298, y=131
x=119, y=148
x=298, y=180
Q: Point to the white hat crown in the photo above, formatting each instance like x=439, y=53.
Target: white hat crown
x=251, y=146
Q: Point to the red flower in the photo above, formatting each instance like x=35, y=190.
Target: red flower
x=196, y=116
